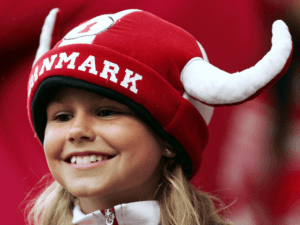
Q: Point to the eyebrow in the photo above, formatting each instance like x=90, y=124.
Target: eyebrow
x=55, y=99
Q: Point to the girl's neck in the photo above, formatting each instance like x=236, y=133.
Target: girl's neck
x=91, y=204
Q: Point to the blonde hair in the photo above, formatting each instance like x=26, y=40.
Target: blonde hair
x=180, y=202
x=53, y=206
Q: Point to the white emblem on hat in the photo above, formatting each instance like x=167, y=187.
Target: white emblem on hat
x=91, y=28
x=86, y=32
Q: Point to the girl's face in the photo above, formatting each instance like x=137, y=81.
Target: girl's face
x=83, y=127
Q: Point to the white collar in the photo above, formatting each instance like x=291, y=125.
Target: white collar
x=135, y=213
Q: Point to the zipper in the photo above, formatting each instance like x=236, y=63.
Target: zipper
x=110, y=216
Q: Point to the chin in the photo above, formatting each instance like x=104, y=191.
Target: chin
x=85, y=191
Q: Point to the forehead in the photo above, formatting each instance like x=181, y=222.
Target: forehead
x=66, y=94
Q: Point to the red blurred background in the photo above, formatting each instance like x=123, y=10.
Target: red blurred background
x=252, y=159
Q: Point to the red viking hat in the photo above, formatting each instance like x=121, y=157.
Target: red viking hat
x=157, y=69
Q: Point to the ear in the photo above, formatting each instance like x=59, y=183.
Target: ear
x=168, y=151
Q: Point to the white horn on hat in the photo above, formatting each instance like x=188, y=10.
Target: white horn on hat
x=206, y=111
x=46, y=35
x=213, y=86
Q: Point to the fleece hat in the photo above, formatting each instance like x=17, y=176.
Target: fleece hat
x=157, y=69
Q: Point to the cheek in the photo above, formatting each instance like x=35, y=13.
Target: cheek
x=132, y=137
x=137, y=145
x=140, y=169
x=53, y=146
x=53, y=142
x=147, y=162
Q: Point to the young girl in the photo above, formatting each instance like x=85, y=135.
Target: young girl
x=121, y=106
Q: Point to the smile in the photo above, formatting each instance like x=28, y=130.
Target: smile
x=87, y=159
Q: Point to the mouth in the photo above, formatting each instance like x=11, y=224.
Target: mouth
x=87, y=159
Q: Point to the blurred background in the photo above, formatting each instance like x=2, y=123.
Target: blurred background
x=252, y=161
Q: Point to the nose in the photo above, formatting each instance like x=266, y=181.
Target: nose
x=81, y=130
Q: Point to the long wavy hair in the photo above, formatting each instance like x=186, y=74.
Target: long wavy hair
x=180, y=203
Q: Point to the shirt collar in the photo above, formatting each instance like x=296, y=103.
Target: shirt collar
x=134, y=213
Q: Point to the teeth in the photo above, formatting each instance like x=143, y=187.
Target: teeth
x=73, y=160
x=99, y=157
x=79, y=160
x=93, y=158
x=87, y=159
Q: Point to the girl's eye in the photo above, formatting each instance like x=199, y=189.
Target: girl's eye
x=106, y=112
x=62, y=117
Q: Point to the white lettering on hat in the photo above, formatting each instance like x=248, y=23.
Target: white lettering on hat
x=47, y=64
x=35, y=75
x=64, y=58
x=89, y=62
x=107, y=69
x=31, y=83
x=132, y=80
